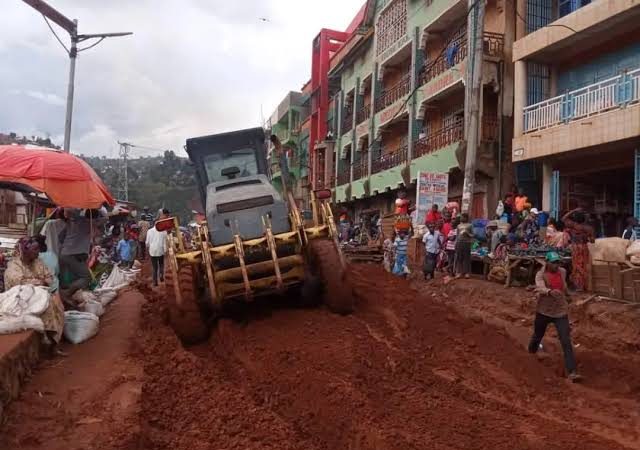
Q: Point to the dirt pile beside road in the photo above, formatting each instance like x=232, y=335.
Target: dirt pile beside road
x=402, y=372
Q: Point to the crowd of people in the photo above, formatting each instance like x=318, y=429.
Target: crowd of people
x=67, y=254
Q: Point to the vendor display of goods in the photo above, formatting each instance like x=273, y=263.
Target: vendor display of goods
x=538, y=251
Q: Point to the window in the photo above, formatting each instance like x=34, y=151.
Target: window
x=244, y=160
x=568, y=6
x=391, y=25
x=538, y=83
x=539, y=14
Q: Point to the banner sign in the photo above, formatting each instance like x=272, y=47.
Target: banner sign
x=433, y=188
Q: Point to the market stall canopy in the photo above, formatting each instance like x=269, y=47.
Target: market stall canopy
x=66, y=179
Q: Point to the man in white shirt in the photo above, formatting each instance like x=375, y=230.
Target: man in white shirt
x=156, y=243
x=433, y=244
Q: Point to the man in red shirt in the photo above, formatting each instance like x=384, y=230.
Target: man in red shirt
x=433, y=216
x=553, y=307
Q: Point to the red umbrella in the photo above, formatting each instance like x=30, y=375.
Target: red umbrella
x=66, y=179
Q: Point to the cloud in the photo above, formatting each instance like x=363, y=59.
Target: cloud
x=51, y=99
x=192, y=67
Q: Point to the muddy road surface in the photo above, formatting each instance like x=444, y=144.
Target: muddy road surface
x=415, y=367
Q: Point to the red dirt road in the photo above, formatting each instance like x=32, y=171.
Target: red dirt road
x=405, y=371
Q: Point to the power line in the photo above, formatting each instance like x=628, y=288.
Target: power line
x=55, y=34
x=560, y=25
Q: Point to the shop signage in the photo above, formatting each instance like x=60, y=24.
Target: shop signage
x=446, y=80
x=433, y=188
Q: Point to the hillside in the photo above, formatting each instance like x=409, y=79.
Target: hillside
x=163, y=181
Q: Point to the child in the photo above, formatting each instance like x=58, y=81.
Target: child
x=126, y=250
x=388, y=254
x=400, y=244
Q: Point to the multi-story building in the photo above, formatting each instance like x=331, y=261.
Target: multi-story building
x=323, y=113
x=401, y=101
x=577, y=106
x=286, y=122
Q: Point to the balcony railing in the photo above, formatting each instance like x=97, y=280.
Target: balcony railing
x=441, y=138
x=347, y=121
x=363, y=114
x=390, y=160
x=344, y=176
x=490, y=128
x=391, y=95
x=360, y=168
x=493, y=46
x=594, y=99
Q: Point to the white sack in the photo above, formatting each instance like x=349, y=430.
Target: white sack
x=80, y=326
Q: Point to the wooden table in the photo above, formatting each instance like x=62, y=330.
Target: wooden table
x=530, y=262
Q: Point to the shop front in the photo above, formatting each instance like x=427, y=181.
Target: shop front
x=601, y=180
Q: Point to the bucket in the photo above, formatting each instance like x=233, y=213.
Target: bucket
x=543, y=219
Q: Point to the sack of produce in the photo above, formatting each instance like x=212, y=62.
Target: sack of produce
x=80, y=326
x=634, y=249
x=612, y=249
x=94, y=307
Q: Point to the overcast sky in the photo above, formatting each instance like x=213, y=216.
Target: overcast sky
x=192, y=67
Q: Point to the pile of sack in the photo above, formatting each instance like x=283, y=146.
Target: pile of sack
x=616, y=250
x=82, y=325
x=21, y=307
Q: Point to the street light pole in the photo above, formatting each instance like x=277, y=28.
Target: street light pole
x=73, y=54
x=71, y=27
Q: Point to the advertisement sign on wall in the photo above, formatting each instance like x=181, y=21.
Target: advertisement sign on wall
x=433, y=188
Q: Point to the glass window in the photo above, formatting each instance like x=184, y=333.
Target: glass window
x=242, y=159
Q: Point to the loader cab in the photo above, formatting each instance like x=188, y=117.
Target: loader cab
x=234, y=185
x=227, y=156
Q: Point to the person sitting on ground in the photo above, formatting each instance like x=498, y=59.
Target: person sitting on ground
x=432, y=240
x=126, y=250
x=28, y=268
x=401, y=245
x=553, y=307
x=629, y=232
x=464, y=241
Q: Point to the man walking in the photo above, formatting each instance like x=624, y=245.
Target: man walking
x=553, y=307
x=157, y=245
x=433, y=244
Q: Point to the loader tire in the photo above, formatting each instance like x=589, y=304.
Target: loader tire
x=186, y=319
x=337, y=290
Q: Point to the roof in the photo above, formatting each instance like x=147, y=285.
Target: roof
x=357, y=20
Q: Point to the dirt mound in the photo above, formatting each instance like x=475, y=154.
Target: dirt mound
x=402, y=372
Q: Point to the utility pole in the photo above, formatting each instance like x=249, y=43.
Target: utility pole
x=475, y=43
x=123, y=175
x=71, y=27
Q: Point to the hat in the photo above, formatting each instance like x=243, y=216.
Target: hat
x=534, y=211
x=552, y=257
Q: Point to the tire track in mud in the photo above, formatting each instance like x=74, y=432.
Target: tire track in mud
x=400, y=373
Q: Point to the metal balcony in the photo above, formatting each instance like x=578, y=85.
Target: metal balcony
x=391, y=95
x=390, y=160
x=594, y=99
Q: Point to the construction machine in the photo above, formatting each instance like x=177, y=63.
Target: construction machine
x=254, y=241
